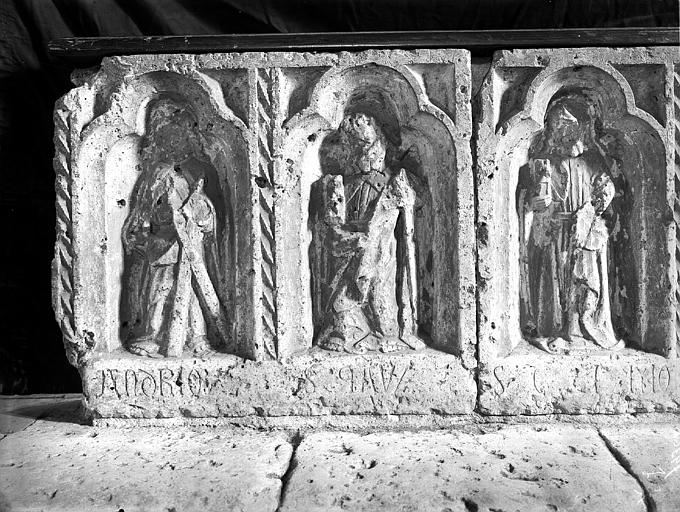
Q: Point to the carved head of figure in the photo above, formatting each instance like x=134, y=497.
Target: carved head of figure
x=172, y=130
x=171, y=138
x=364, y=143
x=569, y=125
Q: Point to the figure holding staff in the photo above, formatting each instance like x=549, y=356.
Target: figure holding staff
x=170, y=238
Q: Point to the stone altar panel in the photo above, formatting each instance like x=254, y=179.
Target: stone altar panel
x=576, y=229
x=426, y=382
x=272, y=234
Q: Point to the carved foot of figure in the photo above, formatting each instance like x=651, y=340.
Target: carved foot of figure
x=389, y=344
x=413, y=342
x=620, y=345
x=371, y=343
x=603, y=338
x=145, y=348
x=572, y=345
x=336, y=343
x=404, y=344
x=200, y=347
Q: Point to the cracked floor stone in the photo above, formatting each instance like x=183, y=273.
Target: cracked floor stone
x=63, y=466
x=652, y=454
x=18, y=412
x=503, y=469
x=56, y=463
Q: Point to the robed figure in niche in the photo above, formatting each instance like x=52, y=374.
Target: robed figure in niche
x=565, y=217
x=170, y=242
x=364, y=263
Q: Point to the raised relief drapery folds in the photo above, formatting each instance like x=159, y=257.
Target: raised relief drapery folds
x=564, y=227
x=235, y=230
x=365, y=259
x=303, y=234
x=170, y=237
x=576, y=233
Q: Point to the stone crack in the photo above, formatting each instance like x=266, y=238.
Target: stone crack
x=295, y=441
x=650, y=504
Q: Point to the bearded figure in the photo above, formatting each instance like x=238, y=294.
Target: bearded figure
x=564, y=235
x=170, y=242
x=364, y=267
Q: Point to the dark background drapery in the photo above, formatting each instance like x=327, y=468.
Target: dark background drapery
x=32, y=358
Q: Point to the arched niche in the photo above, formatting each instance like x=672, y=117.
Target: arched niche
x=640, y=242
x=422, y=141
x=112, y=146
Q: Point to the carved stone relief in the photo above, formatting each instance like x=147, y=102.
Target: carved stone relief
x=378, y=175
x=155, y=174
x=676, y=205
x=574, y=230
x=171, y=241
x=364, y=258
x=294, y=234
x=565, y=209
x=283, y=208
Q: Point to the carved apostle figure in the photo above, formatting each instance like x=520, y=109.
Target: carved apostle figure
x=564, y=234
x=365, y=268
x=170, y=242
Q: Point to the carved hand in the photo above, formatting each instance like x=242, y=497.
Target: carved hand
x=199, y=212
x=137, y=238
x=541, y=168
x=603, y=193
x=540, y=203
x=191, y=227
x=349, y=242
x=404, y=189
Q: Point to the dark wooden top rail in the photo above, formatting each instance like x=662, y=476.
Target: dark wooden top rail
x=79, y=50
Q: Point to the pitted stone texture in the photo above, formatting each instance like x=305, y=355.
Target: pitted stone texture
x=61, y=466
x=533, y=382
x=652, y=454
x=261, y=119
x=527, y=167
x=517, y=468
x=317, y=384
x=245, y=135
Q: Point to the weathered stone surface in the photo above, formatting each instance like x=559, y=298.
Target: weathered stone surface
x=576, y=248
x=532, y=382
x=652, y=454
x=57, y=464
x=226, y=217
x=191, y=224
x=509, y=469
x=320, y=383
x=62, y=466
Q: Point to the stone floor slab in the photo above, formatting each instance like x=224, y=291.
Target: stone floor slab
x=505, y=469
x=63, y=466
x=652, y=454
x=18, y=412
